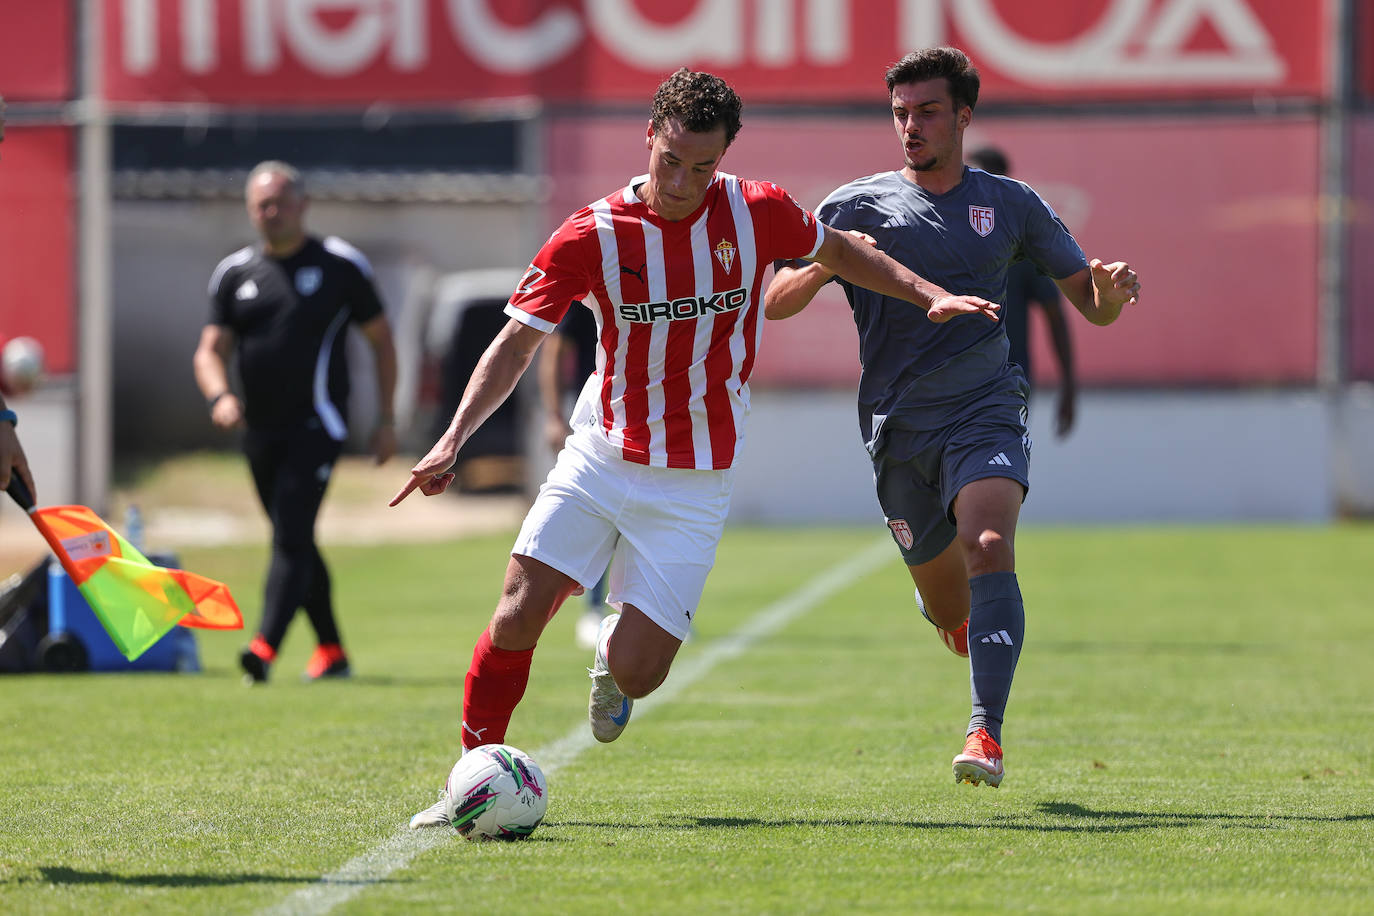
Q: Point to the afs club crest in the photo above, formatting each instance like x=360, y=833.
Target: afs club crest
x=901, y=533
x=981, y=219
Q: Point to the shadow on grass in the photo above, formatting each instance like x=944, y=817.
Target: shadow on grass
x=1151, y=648
x=1108, y=821
x=401, y=680
x=1063, y=817
x=64, y=875
x=289, y=680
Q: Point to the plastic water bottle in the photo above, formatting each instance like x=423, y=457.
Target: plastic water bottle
x=133, y=528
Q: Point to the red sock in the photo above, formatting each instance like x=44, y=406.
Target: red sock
x=495, y=683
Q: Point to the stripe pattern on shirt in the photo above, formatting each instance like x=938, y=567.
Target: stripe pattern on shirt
x=677, y=311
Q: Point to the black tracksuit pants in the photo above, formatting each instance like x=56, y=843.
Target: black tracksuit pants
x=291, y=470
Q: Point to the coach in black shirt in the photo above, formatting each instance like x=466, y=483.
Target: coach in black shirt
x=285, y=305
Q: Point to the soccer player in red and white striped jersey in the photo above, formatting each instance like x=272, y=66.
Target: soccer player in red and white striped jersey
x=674, y=306
x=671, y=267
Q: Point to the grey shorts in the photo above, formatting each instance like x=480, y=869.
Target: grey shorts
x=918, y=473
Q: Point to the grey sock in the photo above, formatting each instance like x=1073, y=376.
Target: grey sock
x=997, y=625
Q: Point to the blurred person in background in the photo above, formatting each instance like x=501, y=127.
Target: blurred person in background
x=941, y=409
x=673, y=266
x=568, y=360
x=284, y=306
x=1028, y=287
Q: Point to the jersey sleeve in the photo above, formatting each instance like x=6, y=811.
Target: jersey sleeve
x=834, y=212
x=793, y=231
x=360, y=286
x=221, y=293
x=364, y=302
x=560, y=273
x=1047, y=241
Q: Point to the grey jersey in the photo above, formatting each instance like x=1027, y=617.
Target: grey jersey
x=917, y=373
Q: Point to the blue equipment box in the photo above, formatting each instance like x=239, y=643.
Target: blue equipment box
x=69, y=613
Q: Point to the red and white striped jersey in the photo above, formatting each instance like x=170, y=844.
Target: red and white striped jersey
x=678, y=311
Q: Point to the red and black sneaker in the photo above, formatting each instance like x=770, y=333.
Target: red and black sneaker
x=256, y=661
x=328, y=661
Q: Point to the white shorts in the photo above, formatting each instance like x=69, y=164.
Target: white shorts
x=657, y=529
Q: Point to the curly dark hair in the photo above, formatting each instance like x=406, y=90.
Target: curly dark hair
x=699, y=102
x=933, y=63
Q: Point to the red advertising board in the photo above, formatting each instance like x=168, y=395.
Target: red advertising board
x=37, y=240
x=1219, y=216
x=35, y=51
x=314, y=51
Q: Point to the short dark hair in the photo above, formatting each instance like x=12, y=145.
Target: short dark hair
x=933, y=63
x=699, y=102
x=990, y=159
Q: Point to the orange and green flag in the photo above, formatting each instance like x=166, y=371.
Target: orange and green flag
x=136, y=601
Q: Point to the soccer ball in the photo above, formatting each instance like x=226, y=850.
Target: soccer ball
x=496, y=792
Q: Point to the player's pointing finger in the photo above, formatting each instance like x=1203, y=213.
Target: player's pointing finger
x=405, y=491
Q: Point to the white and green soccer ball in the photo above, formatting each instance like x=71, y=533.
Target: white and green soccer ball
x=496, y=792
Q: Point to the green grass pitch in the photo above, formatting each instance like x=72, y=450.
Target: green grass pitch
x=1191, y=731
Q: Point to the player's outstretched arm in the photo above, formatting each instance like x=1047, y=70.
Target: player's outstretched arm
x=865, y=266
x=793, y=288
x=501, y=365
x=1100, y=291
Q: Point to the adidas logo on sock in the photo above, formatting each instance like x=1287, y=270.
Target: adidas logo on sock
x=1000, y=459
x=1001, y=638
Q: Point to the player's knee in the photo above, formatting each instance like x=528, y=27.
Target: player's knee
x=516, y=626
x=987, y=551
x=520, y=616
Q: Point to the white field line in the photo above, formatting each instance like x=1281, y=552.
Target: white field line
x=402, y=848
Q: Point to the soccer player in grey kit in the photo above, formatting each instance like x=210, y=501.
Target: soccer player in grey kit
x=941, y=410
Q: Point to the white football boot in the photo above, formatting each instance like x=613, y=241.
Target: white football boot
x=436, y=815
x=608, y=709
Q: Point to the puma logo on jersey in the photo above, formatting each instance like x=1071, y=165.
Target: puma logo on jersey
x=637, y=274
x=247, y=290
x=684, y=308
